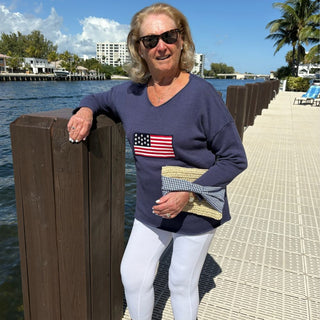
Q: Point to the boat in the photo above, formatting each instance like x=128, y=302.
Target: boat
x=60, y=73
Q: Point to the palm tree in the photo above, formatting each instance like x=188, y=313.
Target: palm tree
x=297, y=26
x=53, y=57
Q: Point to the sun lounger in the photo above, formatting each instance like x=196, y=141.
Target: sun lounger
x=316, y=102
x=309, y=97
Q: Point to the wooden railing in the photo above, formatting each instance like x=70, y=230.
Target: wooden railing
x=70, y=208
x=248, y=101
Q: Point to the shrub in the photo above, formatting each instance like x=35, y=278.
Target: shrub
x=297, y=84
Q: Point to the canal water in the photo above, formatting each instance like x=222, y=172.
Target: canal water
x=16, y=99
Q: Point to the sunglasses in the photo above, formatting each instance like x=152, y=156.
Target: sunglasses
x=168, y=37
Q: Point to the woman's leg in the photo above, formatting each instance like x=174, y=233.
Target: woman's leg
x=188, y=256
x=139, y=266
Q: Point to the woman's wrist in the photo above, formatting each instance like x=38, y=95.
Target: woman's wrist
x=85, y=113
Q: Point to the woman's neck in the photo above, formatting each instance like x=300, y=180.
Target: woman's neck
x=161, y=91
x=165, y=80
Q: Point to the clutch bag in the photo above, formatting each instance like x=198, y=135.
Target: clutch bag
x=198, y=206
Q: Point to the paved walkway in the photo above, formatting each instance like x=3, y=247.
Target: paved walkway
x=265, y=262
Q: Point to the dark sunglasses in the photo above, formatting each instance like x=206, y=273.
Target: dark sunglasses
x=168, y=37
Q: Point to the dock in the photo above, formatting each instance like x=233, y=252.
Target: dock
x=265, y=262
x=48, y=77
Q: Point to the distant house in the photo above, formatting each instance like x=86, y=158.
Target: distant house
x=308, y=70
x=38, y=65
x=3, y=62
x=82, y=70
x=93, y=73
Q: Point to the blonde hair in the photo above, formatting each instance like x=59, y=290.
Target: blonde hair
x=138, y=69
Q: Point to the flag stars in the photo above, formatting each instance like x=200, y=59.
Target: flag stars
x=142, y=139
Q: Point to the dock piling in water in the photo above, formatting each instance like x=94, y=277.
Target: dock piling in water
x=70, y=208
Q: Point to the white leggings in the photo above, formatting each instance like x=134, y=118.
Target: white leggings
x=139, y=266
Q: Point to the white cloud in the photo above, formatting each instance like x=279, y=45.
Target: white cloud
x=39, y=8
x=93, y=30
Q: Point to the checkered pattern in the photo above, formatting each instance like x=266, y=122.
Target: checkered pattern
x=213, y=195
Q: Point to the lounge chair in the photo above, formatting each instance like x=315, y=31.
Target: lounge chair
x=309, y=97
x=317, y=101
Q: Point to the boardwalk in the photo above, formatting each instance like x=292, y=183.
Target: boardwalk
x=265, y=263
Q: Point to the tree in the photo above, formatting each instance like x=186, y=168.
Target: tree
x=12, y=43
x=38, y=46
x=53, y=57
x=217, y=68
x=14, y=62
x=297, y=27
x=34, y=45
x=91, y=64
x=283, y=72
x=66, y=58
x=70, y=61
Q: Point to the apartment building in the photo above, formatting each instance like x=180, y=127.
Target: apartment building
x=113, y=54
x=198, y=64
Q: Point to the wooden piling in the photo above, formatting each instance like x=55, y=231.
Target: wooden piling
x=70, y=208
x=252, y=102
x=237, y=104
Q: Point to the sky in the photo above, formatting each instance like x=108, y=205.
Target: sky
x=225, y=31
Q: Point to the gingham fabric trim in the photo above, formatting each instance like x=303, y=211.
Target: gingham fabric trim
x=213, y=195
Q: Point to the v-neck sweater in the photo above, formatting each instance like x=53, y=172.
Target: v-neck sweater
x=193, y=129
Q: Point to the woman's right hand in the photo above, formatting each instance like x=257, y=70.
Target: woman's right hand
x=80, y=124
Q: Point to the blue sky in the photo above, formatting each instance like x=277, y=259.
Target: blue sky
x=226, y=31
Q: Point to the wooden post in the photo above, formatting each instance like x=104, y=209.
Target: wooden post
x=70, y=207
x=276, y=86
x=237, y=102
x=261, y=104
x=269, y=92
x=252, y=101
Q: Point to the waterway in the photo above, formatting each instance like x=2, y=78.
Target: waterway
x=16, y=99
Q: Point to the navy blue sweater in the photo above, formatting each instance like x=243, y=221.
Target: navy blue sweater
x=192, y=129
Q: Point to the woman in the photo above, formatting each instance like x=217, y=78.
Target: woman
x=174, y=118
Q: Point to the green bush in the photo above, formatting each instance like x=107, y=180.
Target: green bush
x=297, y=84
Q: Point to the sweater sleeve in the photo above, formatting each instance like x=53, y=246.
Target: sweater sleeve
x=225, y=143
x=101, y=103
x=230, y=158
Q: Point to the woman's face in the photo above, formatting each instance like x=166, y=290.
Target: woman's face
x=164, y=57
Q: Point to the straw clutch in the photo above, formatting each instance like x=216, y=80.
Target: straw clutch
x=198, y=207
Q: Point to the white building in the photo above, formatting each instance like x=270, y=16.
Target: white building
x=38, y=65
x=3, y=62
x=113, y=54
x=308, y=70
x=198, y=64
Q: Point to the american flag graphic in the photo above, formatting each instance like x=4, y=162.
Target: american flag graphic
x=151, y=145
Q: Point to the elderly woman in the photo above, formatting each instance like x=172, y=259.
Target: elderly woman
x=171, y=118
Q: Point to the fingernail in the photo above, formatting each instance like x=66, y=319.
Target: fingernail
x=157, y=201
x=77, y=141
x=71, y=140
x=84, y=139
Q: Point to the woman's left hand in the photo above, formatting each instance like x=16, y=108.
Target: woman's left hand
x=170, y=205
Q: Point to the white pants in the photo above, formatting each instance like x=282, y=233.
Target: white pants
x=139, y=267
